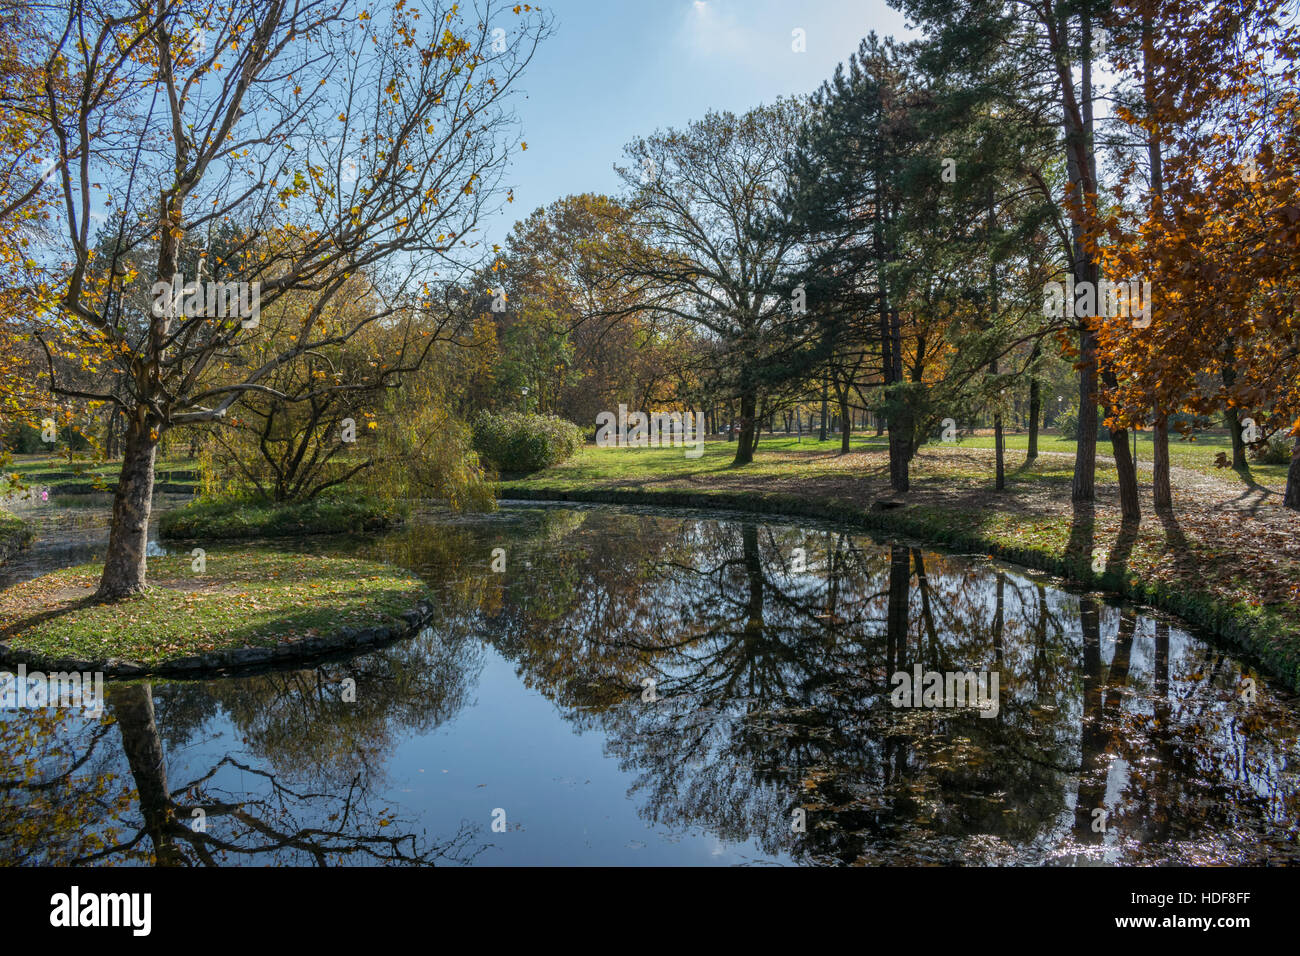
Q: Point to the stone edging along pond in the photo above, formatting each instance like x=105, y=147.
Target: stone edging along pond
x=236, y=659
x=1278, y=654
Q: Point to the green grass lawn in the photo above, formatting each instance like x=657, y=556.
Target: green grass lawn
x=1198, y=455
x=776, y=452
x=242, y=597
x=58, y=474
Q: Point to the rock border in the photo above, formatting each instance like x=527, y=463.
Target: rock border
x=233, y=660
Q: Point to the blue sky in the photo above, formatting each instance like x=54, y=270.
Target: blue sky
x=619, y=69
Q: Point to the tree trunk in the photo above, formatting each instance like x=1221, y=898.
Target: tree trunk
x=846, y=421
x=745, y=446
x=124, y=564
x=900, y=423
x=1035, y=410
x=999, y=453
x=821, y=425
x=1292, y=497
x=1129, y=507
x=1125, y=466
x=1080, y=167
x=1161, y=492
x=999, y=444
x=1233, y=419
x=1160, y=488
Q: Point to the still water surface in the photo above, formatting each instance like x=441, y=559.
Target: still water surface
x=643, y=687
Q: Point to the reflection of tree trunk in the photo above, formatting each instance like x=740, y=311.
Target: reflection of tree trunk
x=1161, y=710
x=1040, y=641
x=133, y=709
x=1117, y=677
x=923, y=584
x=1092, y=734
x=999, y=619
x=754, y=572
x=900, y=573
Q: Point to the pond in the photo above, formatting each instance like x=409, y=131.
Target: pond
x=637, y=686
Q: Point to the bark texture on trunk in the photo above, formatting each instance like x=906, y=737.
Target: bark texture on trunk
x=846, y=422
x=1129, y=507
x=1035, y=412
x=125, y=562
x=900, y=423
x=821, y=425
x=1160, y=488
x=1232, y=418
x=1083, y=486
x=1292, y=497
x=1125, y=466
x=745, y=446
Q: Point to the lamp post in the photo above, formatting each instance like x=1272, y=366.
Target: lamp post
x=524, y=392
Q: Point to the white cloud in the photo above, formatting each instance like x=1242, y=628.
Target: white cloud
x=713, y=29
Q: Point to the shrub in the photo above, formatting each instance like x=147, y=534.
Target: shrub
x=1272, y=452
x=522, y=443
x=251, y=518
x=1068, y=424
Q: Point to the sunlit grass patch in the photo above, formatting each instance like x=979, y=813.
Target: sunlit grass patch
x=242, y=597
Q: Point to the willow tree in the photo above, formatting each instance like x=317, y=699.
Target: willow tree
x=337, y=139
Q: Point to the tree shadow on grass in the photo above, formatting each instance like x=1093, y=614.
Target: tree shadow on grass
x=14, y=628
x=1122, y=549
x=1083, y=532
x=1176, y=544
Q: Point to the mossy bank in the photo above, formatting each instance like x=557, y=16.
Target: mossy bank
x=239, y=518
x=234, y=609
